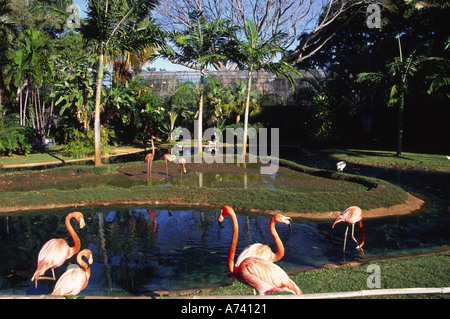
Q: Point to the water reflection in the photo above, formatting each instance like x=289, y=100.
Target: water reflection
x=140, y=250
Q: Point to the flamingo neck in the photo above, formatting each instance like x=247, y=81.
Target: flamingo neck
x=153, y=147
x=83, y=264
x=278, y=242
x=362, y=233
x=76, y=240
x=233, y=243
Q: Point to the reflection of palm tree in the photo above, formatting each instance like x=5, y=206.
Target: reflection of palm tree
x=101, y=232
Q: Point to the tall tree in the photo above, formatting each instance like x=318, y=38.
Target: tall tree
x=111, y=24
x=197, y=47
x=253, y=53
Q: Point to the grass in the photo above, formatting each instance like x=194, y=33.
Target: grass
x=389, y=158
x=426, y=271
x=372, y=193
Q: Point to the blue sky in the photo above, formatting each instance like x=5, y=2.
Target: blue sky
x=158, y=64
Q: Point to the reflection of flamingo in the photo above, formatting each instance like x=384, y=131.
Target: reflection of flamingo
x=149, y=158
x=263, y=275
x=168, y=158
x=55, y=251
x=352, y=215
x=182, y=163
x=264, y=251
x=75, y=279
x=151, y=213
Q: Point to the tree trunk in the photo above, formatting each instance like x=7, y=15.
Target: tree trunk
x=200, y=114
x=400, y=125
x=98, y=94
x=247, y=106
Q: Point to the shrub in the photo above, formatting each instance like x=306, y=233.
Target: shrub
x=15, y=138
x=81, y=144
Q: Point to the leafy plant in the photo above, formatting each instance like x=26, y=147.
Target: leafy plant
x=81, y=144
x=14, y=138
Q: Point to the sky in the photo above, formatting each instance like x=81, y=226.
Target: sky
x=158, y=64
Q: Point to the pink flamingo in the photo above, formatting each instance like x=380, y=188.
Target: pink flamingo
x=55, y=251
x=351, y=216
x=262, y=275
x=75, y=279
x=264, y=251
x=168, y=158
x=151, y=214
x=149, y=158
x=182, y=163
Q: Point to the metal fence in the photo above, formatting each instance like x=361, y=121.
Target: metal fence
x=165, y=82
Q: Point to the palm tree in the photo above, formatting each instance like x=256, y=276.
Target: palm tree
x=396, y=79
x=253, y=54
x=111, y=24
x=198, y=48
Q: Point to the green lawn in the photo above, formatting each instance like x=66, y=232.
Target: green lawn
x=426, y=271
x=389, y=158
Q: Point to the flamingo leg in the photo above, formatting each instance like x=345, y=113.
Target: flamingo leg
x=53, y=273
x=353, y=234
x=167, y=172
x=345, y=238
x=151, y=167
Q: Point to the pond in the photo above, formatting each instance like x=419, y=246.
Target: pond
x=139, y=250
x=142, y=249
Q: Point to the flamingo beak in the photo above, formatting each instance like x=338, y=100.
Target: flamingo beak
x=82, y=223
x=91, y=260
x=220, y=220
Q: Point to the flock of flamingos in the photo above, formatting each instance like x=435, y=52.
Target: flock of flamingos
x=255, y=266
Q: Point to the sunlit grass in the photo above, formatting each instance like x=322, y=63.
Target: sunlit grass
x=389, y=158
x=427, y=271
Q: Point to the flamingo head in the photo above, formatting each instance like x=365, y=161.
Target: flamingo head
x=279, y=218
x=224, y=212
x=337, y=220
x=79, y=218
x=86, y=253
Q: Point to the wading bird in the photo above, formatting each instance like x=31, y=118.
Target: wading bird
x=168, y=158
x=340, y=166
x=351, y=216
x=262, y=275
x=264, y=251
x=76, y=279
x=149, y=158
x=55, y=251
x=182, y=163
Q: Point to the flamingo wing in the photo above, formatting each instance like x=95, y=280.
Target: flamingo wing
x=148, y=158
x=72, y=282
x=52, y=255
x=265, y=277
x=256, y=250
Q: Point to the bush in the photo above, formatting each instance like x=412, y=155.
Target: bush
x=15, y=138
x=81, y=144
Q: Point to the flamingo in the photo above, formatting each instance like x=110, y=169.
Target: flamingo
x=75, y=279
x=182, y=163
x=149, y=158
x=264, y=251
x=262, y=275
x=168, y=158
x=55, y=251
x=351, y=216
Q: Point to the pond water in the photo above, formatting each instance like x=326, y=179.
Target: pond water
x=139, y=250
